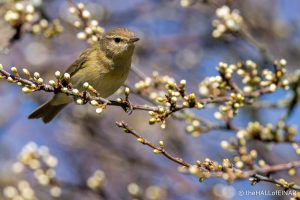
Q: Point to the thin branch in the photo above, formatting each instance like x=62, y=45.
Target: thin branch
x=258, y=178
x=256, y=174
x=156, y=149
x=89, y=98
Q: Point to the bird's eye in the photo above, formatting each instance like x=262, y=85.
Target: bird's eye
x=117, y=40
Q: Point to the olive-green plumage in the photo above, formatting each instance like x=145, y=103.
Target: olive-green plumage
x=104, y=65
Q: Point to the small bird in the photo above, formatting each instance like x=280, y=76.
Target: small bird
x=104, y=65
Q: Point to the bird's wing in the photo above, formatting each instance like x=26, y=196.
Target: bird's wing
x=79, y=63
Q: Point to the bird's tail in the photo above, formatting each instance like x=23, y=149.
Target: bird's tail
x=47, y=111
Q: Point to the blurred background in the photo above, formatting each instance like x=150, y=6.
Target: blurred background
x=175, y=40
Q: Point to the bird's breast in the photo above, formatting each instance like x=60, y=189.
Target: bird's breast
x=110, y=82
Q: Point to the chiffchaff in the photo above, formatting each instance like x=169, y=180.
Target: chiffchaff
x=104, y=65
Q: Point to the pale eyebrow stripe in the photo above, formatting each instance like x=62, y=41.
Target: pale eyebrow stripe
x=116, y=36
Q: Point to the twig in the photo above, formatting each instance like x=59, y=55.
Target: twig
x=258, y=178
x=267, y=56
x=256, y=173
x=157, y=149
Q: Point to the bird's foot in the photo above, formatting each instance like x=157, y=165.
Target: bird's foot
x=127, y=107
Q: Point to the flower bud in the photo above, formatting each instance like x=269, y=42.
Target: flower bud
x=26, y=90
x=10, y=79
x=94, y=103
x=127, y=91
x=52, y=83
x=72, y=10
x=64, y=89
x=36, y=75
x=79, y=101
x=152, y=121
x=26, y=72
x=141, y=140
x=57, y=74
x=86, y=14
x=119, y=100
x=99, y=110
x=156, y=151
x=14, y=70
x=183, y=82
x=86, y=85
x=67, y=77
x=75, y=92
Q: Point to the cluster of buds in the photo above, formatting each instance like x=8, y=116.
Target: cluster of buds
x=20, y=13
x=172, y=96
x=253, y=84
x=96, y=181
x=227, y=21
x=156, y=81
x=238, y=145
x=249, y=73
x=91, y=31
x=26, y=87
x=22, y=191
x=194, y=125
x=269, y=133
x=211, y=86
x=42, y=163
x=48, y=30
x=62, y=84
x=230, y=109
x=24, y=13
x=152, y=192
x=207, y=168
x=273, y=79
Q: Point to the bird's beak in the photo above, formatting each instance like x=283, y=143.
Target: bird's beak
x=133, y=40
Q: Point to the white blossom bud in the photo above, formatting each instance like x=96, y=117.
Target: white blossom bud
x=67, y=76
x=86, y=14
x=29, y=8
x=57, y=74
x=79, y=101
x=99, y=110
x=183, y=82
x=272, y=87
x=40, y=80
x=64, y=89
x=81, y=35
x=127, y=91
x=80, y=6
x=19, y=6
x=72, y=10
x=52, y=83
x=26, y=90
x=14, y=70
x=10, y=79
x=94, y=103
x=36, y=75
x=26, y=72
x=75, y=91
x=86, y=85
x=283, y=62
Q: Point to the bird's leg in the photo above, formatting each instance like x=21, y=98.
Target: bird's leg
x=127, y=106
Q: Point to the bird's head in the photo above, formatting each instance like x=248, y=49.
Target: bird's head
x=118, y=42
